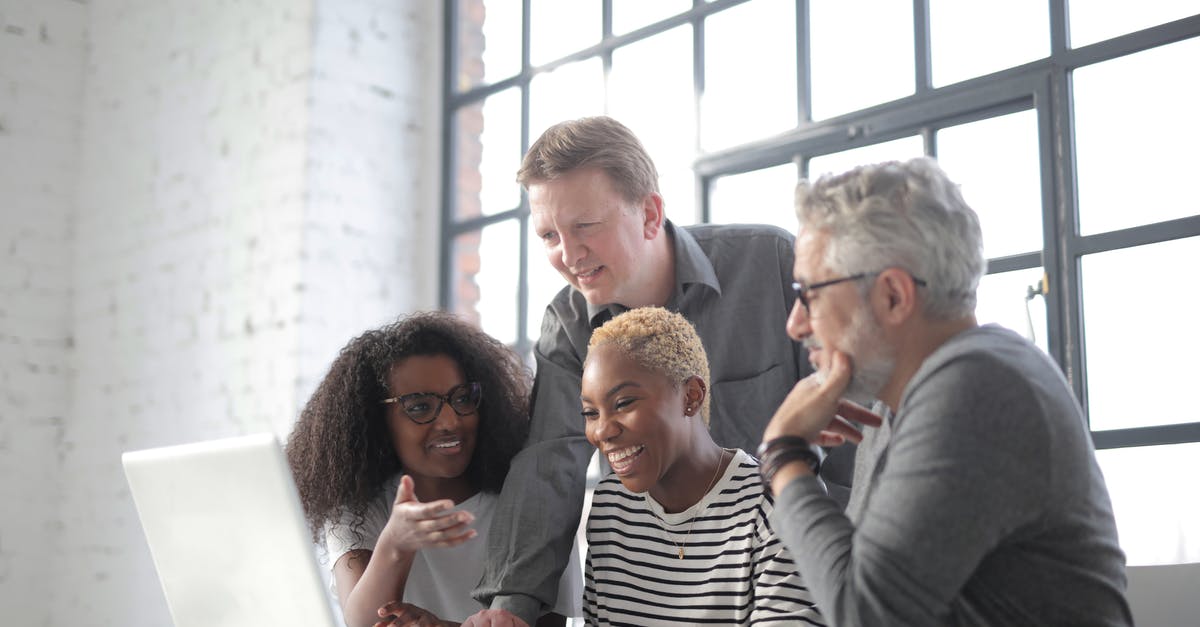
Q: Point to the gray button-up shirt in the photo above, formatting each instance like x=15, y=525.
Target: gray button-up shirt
x=733, y=282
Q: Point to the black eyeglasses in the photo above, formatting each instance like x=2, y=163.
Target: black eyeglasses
x=421, y=409
x=802, y=291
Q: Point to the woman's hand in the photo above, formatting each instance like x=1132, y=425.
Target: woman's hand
x=414, y=525
x=397, y=614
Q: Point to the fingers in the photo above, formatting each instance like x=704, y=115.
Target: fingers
x=494, y=618
x=416, y=510
x=853, y=411
x=829, y=439
x=838, y=375
x=399, y=614
x=840, y=427
x=405, y=493
x=450, y=536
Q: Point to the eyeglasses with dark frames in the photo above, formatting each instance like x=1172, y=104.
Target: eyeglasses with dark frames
x=802, y=291
x=420, y=407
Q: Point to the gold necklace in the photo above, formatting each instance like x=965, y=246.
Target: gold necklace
x=691, y=520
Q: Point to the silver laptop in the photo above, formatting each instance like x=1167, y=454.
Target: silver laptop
x=227, y=534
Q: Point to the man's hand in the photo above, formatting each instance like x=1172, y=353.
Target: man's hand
x=816, y=411
x=397, y=614
x=494, y=618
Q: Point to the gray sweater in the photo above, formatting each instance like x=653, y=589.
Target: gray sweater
x=984, y=504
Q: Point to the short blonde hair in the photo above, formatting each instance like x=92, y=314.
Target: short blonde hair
x=660, y=341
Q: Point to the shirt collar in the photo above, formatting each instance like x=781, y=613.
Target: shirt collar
x=692, y=266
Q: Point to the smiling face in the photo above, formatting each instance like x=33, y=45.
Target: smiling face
x=593, y=236
x=838, y=318
x=435, y=454
x=635, y=417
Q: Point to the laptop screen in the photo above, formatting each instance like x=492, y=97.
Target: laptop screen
x=226, y=530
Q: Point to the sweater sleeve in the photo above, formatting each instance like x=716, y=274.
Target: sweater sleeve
x=968, y=429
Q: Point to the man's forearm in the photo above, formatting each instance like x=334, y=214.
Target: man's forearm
x=526, y=608
x=533, y=533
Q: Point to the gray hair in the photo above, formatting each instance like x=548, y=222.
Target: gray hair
x=900, y=214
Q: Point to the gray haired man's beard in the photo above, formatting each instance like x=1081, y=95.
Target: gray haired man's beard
x=871, y=358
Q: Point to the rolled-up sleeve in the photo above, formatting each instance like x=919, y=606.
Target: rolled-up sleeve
x=540, y=505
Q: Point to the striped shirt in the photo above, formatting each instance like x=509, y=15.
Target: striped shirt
x=733, y=571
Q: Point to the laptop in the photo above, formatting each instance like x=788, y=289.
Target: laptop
x=227, y=534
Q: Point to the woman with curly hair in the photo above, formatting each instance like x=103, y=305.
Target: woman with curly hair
x=403, y=446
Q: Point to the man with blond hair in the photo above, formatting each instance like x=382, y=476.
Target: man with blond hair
x=595, y=205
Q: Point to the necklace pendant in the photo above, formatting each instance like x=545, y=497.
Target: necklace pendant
x=680, y=552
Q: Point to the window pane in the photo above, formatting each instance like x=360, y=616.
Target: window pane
x=489, y=42
x=1157, y=521
x=838, y=162
x=544, y=283
x=995, y=161
x=661, y=66
x=741, y=44
x=560, y=27
x=572, y=91
x=970, y=39
x=1135, y=128
x=485, y=278
x=489, y=152
x=1004, y=298
x=764, y=196
x=862, y=54
x=630, y=15
x=1140, y=333
x=1096, y=20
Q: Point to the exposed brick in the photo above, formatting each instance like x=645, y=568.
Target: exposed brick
x=202, y=203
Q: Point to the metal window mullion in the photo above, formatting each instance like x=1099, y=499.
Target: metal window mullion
x=1064, y=303
x=1010, y=263
x=1060, y=29
x=449, y=152
x=523, y=341
x=702, y=184
x=606, y=51
x=1131, y=43
x=803, y=63
x=922, y=48
x=946, y=106
x=1141, y=235
x=1157, y=435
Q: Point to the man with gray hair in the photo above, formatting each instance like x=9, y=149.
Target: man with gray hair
x=984, y=504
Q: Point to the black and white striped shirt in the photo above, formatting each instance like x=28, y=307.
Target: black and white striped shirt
x=734, y=570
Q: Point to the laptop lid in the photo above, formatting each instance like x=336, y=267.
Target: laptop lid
x=227, y=534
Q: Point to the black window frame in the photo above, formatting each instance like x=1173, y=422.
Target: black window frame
x=1043, y=86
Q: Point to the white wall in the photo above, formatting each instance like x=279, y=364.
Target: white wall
x=248, y=185
x=41, y=70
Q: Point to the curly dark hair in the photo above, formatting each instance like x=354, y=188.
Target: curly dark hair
x=340, y=450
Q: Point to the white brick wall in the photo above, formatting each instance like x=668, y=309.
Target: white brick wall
x=208, y=199
x=41, y=70
x=372, y=173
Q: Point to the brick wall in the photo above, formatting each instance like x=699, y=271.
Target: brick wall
x=372, y=173
x=41, y=69
x=203, y=201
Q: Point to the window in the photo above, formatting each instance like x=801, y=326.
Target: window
x=1073, y=143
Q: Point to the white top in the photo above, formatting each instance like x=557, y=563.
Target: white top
x=441, y=579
